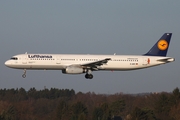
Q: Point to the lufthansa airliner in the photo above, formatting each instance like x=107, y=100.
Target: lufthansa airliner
x=82, y=63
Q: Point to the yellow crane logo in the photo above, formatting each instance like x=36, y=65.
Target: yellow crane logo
x=162, y=45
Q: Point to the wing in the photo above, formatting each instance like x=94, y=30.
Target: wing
x=96, y=64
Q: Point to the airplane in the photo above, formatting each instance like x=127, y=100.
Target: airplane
x=86, y=63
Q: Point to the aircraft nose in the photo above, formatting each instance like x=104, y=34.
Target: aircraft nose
x=7, y=63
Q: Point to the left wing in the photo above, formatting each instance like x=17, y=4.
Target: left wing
x=94, y=65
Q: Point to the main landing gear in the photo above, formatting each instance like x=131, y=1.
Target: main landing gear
x=88, y=75
x=24, y=75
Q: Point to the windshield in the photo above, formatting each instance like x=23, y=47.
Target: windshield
x=14, y=58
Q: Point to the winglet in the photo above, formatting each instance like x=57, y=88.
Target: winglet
x=161, y=47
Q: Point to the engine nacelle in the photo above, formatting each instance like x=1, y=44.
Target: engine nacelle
x=73, y=70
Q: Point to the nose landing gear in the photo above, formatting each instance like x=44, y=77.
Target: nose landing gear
x=24, y=75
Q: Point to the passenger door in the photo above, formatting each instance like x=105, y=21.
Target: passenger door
x=58, y=60
x=24, y=59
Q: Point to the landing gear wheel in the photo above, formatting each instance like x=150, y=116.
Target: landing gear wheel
x=88, y=76
x=24, y=75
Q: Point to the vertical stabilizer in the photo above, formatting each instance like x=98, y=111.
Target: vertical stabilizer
x=161, y=47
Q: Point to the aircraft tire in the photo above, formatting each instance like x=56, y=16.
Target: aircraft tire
x=88, y=76
x=24, y=75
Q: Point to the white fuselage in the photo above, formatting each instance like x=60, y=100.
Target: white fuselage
x=62, y=61
x=78, y=64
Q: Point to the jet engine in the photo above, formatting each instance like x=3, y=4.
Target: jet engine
x=73, y=70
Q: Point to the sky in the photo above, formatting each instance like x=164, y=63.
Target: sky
x=123, y=27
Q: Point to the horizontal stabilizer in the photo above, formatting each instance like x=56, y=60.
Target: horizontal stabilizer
x=166, y=60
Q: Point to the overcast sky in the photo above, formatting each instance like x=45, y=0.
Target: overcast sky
x=90, y=27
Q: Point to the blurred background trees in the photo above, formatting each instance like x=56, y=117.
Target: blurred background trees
x=65, y=104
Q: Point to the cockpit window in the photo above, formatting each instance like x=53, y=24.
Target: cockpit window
x=14, y=58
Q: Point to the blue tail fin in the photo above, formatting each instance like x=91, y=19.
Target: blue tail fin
x=161, y=47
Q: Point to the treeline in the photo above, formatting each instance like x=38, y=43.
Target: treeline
x=15, y=95
x=65, y=104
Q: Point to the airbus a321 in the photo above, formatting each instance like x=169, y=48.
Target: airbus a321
x=79, y=63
